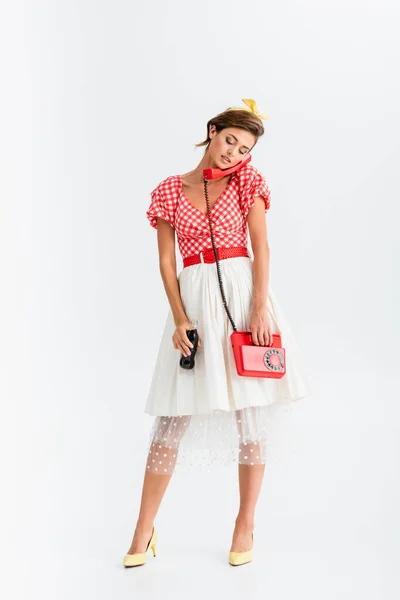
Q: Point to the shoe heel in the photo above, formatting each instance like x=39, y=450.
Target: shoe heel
x=154, y=544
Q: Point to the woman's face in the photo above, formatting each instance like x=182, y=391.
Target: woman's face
x=232, y=143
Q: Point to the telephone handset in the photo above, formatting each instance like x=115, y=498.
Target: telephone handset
x=215, y=173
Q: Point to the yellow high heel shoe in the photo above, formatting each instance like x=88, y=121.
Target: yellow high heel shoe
x=139, y=558
x=240, y=558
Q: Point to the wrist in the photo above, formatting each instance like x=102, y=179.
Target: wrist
x=258, y=306
x=180, y=318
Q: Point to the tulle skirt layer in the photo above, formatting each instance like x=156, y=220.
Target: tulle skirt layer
x=210, y=416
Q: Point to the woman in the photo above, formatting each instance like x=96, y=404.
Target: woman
x=210, y=415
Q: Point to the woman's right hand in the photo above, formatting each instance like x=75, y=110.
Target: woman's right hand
x=180, y=339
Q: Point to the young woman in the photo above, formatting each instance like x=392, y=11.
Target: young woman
x=209, y=415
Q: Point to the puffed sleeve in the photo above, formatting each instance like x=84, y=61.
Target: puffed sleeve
x=162, y=205
x=255, y=186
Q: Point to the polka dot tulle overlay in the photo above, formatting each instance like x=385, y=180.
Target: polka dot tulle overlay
x=250, y=436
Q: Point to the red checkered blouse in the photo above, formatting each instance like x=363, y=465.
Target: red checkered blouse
x=228, y=215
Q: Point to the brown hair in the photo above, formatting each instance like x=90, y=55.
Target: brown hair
x=241, y=118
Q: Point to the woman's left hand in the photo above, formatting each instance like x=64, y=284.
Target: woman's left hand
x=260, y=327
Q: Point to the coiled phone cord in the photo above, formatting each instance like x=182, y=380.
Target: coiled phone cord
x=216, y=256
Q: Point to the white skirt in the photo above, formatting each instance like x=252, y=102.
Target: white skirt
x=210, y=416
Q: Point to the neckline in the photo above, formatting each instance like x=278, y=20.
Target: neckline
x=218, y=200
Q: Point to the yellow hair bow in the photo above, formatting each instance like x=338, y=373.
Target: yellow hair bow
x=252, y=107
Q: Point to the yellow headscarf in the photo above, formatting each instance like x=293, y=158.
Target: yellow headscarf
x=252, y=107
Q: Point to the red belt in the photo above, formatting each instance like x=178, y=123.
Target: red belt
x=207, y=256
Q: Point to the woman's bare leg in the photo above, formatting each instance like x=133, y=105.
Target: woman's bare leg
x=154, y=487
x=160, y=465
x=250, y=481
x=251, y=469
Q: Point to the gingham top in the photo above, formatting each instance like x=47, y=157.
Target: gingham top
x=228, y=215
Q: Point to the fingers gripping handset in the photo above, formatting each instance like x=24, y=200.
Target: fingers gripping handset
x=186, y=339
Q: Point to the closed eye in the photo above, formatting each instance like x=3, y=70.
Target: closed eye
x=230, y=143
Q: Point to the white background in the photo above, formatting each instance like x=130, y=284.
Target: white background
x=99, y=102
